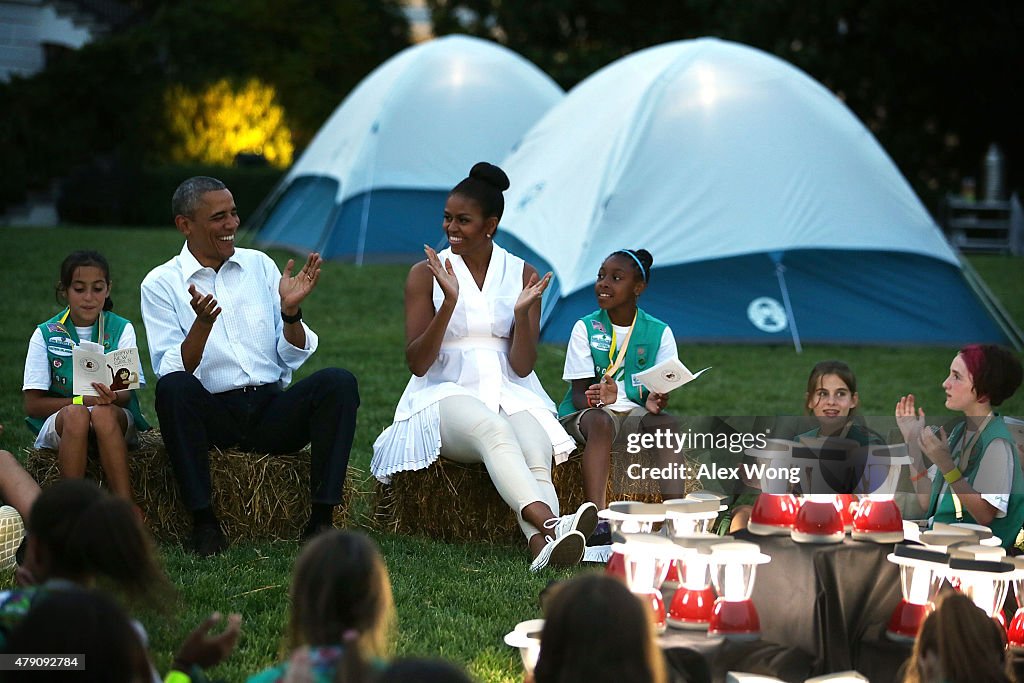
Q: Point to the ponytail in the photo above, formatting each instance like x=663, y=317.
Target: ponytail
x=352, y=667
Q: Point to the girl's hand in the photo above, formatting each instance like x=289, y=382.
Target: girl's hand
x=294, y=288
x=910, y=425
x=936, y=448
x=444, y=274
x=604, y=393
x=532, y=292
x=656, y=402
x=106, y=394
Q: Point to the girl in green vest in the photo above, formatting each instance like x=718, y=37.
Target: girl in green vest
x=61, y=420
x=606, y=349
x=972, y=474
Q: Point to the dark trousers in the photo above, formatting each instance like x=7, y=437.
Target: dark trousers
x=319, y=410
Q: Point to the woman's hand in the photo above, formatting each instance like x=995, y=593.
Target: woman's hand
x=910, y=425
x=106, y=394
x=294, y=288
x=936, y=448
x=532, y=292
x=444, y=274
x=656, y=402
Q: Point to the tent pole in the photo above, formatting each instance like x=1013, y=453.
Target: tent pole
x=780, y=271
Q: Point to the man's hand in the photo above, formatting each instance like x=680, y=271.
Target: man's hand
x=294, y=288
x=205, y=306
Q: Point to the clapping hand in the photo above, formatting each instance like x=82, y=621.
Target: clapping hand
x=444, y=274
x=203, y=650
x=205, y=306
x=532, y=292
x=294, y=288
x=910, y=424
x=935, y=446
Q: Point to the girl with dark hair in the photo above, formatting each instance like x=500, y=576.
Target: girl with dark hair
x=472, y=320
x=596, y=631
x=66, y=422
x=959, y=643
x=78, y=533
x=972, y=474
x=606, y=349
x=86, y=625
x=341, y=611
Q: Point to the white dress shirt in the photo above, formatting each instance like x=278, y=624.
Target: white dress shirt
x=246, y=346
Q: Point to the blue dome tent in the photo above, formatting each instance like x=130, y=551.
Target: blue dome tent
x=773, y=214
x=372, y=183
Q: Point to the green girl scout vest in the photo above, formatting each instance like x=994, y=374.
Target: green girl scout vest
x=61, y=338
x=640, y=355
x=1005, y=528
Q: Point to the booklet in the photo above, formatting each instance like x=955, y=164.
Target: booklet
x=667, y=375
x=118, y=369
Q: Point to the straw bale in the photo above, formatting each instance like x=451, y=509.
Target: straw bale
x=457, y=502
x=256, y=496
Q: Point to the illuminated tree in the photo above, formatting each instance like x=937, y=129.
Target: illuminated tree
x=215, y=125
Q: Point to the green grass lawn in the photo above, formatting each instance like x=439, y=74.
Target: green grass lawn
x=453, y=600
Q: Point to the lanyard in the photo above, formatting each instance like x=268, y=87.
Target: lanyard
x=964, y=460
x=99, y=322
x=614, y=367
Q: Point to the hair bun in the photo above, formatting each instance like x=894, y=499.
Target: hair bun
x=490, y=174
x=645, y=258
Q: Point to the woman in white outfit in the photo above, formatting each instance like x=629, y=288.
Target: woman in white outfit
x=472, y=320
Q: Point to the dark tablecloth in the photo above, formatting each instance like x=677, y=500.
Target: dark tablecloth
x=823, y=608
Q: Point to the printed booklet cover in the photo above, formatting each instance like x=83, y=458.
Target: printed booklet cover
x=118, y=369
x=667, y=375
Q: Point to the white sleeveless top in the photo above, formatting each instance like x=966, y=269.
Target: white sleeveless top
x=473, y=361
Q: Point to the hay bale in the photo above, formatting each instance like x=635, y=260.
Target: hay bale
x=450, y=501
x=457, y=502
x=256, y=496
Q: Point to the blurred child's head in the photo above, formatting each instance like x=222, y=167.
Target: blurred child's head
x=831, y=391
x=84, y=623
x=622, y=277
x=423, y=670
x=995, y=371
x=78, y=532
x=339, y=586
x=596, y=631
x=84, y=285
x=958, y=643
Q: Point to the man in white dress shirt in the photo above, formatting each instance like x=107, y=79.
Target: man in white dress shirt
x=225, y=334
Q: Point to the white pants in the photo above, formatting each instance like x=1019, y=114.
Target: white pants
x=515, y=449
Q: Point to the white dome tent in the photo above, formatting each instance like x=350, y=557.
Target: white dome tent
x=771, y=211
x=372, y=183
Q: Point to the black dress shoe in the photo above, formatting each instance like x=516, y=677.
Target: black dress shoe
x=208, y=539
x=311, y=530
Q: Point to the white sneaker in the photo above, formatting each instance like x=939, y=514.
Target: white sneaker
x=12, y=530
x=584, y=520
x=564, y=551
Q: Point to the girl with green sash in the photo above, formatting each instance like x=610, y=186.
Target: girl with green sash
x=606, y=350
x=972, y=474
x=66, y=422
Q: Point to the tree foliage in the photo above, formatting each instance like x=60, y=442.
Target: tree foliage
x=108, y=98
x=936, y=82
